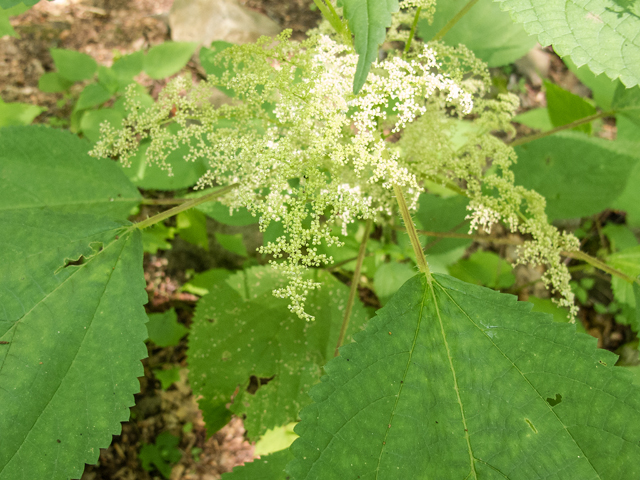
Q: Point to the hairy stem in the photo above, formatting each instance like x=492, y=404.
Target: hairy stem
x=413, y=234
x=354, y=285
x=413, y=29
x=577, y=123
x=443, y=31
x=182, y=207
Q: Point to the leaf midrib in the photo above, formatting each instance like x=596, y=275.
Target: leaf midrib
x=444, y=290
x=455, y=381
x=53, y=394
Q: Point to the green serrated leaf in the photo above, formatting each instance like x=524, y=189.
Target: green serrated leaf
x=368, y=20
x=485, y=29
x=242, y=332
x=168, y=58
x=602, y=34
x=451, y=380
x=268, y=467
x=164, y=329
x=565, y=107
x=578, y=175
x=73, y=66
x=72, y=322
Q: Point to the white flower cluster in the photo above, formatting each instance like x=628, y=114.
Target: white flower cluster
x=308, y=154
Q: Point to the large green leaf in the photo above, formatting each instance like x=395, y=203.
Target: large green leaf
x=268, y=467
x=602, y=34
x=454, y=381
x=485, y=29
x=244, y=336
x=42, y=167
x=368, y=20
x=71, y=294
x=577, y=174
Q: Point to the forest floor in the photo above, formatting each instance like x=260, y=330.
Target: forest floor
x=98, y=28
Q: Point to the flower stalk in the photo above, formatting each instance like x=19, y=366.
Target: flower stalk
x=354, y=285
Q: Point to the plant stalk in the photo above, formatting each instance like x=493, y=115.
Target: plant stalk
x=354, y=285
x=585, y=257
x=577, y=123
x=413, y=29
x=599, y=264
x=413, y=234
x=194, y=202
x=444, y=30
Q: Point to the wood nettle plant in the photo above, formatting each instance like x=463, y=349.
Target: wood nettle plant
x=321, y=142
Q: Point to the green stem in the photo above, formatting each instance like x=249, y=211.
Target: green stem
x=599, y=264
x=413, y=234
x=354, y=285
x=577, y=123
x=454, y=20
x=193, y=202
x=585, y=257
x=413, y=29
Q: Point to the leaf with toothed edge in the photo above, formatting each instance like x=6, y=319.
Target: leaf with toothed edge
x=603, y=34
x=71, y=305
x=268, y=467
x=244, y=337
x=452, y=380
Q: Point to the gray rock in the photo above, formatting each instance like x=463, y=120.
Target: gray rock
x=204, y=21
